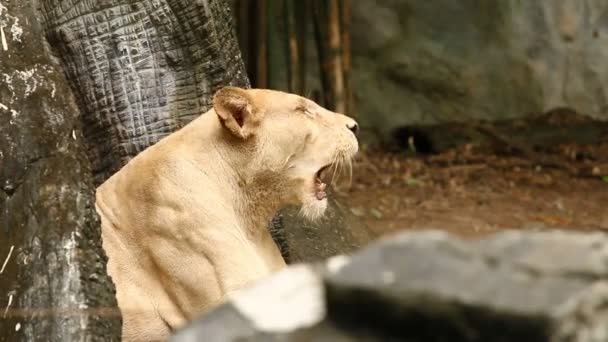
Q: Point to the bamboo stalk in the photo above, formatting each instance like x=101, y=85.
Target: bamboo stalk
x=302, y=22
x=251, y=18
x=241, y=11
x=335, y=57
x=293, y=60
x=262, y=44
x=347, y=57
x=320, y=30
x=276, y=39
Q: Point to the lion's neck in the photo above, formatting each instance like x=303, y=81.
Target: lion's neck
x=254, y=201
x=255, y=204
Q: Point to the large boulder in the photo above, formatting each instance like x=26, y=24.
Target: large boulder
x=337, y=232
x=425, y=62
x=428, y=286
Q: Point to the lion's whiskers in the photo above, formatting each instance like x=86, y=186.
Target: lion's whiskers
x=349, y=167
x=341, y=163
x=334, y=165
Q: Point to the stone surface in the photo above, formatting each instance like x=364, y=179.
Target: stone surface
x=428, y=286
x=426, y=62
x=53, y=282
x=338, y=232
x=520, y=135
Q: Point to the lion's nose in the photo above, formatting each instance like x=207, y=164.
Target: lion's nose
x=353, y=127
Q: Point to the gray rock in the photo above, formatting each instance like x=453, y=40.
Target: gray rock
x=338, y=232
x=426, y=62
x=428, y=286
x=291, y=300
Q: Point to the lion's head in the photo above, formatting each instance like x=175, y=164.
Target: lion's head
x=291, y=147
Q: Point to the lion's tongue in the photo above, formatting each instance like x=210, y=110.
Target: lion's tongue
x=320, y=189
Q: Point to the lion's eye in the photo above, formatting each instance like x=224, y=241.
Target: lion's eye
x=306, y=111
x=304, y=108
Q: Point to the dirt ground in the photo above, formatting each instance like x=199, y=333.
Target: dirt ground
x=472, y=193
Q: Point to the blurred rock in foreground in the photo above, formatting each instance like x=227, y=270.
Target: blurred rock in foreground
x=428, y=286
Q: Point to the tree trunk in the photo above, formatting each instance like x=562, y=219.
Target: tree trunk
x=137, y=71
x=53, y=282
x=142, y=70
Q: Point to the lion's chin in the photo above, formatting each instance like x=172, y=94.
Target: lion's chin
x=313, y=209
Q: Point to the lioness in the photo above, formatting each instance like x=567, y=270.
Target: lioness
x=184, y=223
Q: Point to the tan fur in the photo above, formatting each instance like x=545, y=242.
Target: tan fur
x=185, y=222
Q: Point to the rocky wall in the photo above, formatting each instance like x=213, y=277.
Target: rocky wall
x=426, y=62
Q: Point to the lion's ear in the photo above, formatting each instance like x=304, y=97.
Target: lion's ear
x=236, y=111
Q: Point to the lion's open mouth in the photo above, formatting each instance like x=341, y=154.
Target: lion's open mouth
x=319, y=183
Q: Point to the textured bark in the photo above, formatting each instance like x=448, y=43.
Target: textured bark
x=141, y=69
x=53, y=282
